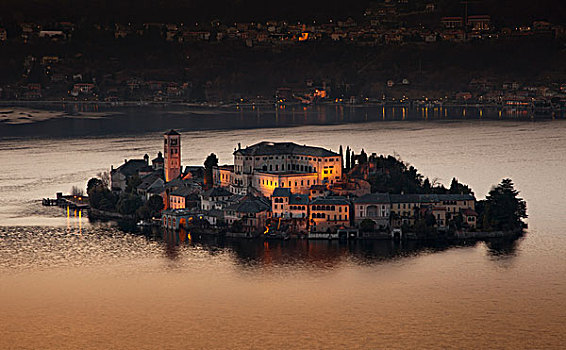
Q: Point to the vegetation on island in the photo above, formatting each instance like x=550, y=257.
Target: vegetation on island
x=128, y=203
x=503, y=209
x=210, y=162
x=393, y=175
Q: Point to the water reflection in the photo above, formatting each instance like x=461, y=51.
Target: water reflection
x=503, y=251
x=320, y=253
x=74, y=220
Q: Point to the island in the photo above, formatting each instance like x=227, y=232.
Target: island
x=283, y=190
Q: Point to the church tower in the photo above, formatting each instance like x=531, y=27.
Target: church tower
x=172, y=152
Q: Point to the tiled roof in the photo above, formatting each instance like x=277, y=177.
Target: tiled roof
x=469, y=212
x=405, y=198
x=157, y=190
x=456, y=197
x=281, y=192
x=217, y=192
x=275, y=148
x=299, y=199
x=336, y=200
x=250, y=205
x=131, y=167
x=176, y=182
x=182, y=192
x=373, y=198
x=150, y=179
x=429, y=198
x=172, y=133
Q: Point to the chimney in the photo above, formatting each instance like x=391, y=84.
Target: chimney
x=239, y=146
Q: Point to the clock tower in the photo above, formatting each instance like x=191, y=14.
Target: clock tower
x=172, y=152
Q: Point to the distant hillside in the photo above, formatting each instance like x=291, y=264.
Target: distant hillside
x=505, y=11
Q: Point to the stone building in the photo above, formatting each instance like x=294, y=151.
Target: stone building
x=375, y=207
x=269, y=165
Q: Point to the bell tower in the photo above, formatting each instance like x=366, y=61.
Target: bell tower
x=172, y=152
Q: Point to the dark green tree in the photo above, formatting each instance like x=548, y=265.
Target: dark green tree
x=348, y=164
x=363, y=159
x=427, y=188
x=108, y=202
x=128, y=203
x=99, y=196
x=367, y=225
x=503, y=209
x=155, y=204
x=352, y=159
x=341, y=152
x=458, y=188
x=210, y=162
x=143, y=213
x=94, y=184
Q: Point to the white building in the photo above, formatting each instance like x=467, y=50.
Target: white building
x=269, y=165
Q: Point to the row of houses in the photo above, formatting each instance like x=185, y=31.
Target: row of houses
x=324, y=212
x=303, y=187
x=376, y=27
x=280, y=187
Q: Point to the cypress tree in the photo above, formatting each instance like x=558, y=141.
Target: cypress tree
x=353, y=160
x=348, y=165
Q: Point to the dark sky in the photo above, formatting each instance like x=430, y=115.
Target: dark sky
x=247, y=10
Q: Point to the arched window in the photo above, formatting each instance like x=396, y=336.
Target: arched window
x=332, y=208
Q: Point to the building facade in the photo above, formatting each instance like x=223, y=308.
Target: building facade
x=172, y=151
x=286, y=205
x=269, y=165
x=375, y=207
x=329, y=214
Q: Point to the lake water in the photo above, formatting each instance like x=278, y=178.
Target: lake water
x=68, y=284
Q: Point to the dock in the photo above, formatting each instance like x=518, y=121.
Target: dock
x=66, y=201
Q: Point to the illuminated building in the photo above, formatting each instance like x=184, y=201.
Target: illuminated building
x=266, y=166
x=284, y=204
x=329, y=213
x=172, y=151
